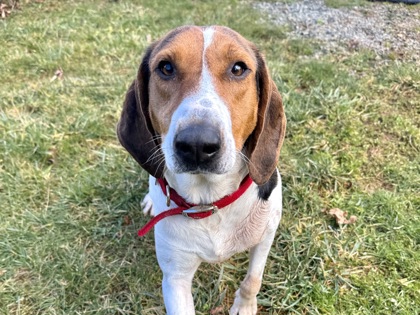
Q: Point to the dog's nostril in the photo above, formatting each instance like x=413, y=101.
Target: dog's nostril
x=211, y=148
x=183, y=146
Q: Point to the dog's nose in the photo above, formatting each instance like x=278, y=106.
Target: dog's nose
x=197, y=144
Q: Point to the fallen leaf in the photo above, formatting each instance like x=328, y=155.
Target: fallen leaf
x=217, y=310
x=58, y=75
x=340, y=216
x=405, y=281
x=4, y=10
x=127, y=220
x=52, y=155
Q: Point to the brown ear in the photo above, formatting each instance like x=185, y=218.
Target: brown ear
x=135, y=130
x=264, y=144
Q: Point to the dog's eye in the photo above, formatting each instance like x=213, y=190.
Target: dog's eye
x=239, y=69
x=166, y=68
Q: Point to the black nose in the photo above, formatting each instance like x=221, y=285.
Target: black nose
x=197, y=145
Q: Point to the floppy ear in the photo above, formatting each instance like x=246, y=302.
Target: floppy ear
x=134, y=129
x=264, y=144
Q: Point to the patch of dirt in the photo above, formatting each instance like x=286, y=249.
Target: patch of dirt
x=390, y=30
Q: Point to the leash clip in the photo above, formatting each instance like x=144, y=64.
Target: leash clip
x=200, y=209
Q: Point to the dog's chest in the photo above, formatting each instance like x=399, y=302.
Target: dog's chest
x=238, y=229
x=232, y=229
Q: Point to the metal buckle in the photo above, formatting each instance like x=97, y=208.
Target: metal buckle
x=200, y=209
x=168, y=196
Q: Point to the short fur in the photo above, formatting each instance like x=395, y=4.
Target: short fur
x=245, y=112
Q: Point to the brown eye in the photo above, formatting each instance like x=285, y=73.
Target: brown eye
x=166, y=68
x=239, y=69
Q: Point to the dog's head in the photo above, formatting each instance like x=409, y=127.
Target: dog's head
x=203, y=98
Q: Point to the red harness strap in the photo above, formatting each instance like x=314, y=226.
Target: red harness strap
x=191, y=210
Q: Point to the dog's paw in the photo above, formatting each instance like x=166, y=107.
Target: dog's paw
x=147, y=205
x=243, y=306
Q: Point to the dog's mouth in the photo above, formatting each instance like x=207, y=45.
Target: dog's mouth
x=199, y=170
x=217, y=165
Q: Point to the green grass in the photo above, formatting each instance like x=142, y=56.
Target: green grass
x=70, y=195
x=345, y=3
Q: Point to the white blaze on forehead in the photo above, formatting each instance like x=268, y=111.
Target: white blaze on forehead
x=208, y=37
x=206, y=82
x=207, y=95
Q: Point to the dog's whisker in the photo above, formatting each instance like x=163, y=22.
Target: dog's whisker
x=244, y=158
x=157, y=137
x=154, y=138
x=161, y=159
x=155, y=155
x=160, y=163
x=156, y=150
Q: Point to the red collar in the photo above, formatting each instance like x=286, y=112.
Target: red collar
x=192, y=210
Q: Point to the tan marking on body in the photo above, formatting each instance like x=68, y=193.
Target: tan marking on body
x=250, y=287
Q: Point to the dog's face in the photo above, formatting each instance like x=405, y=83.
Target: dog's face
x=204, y=95
x=203, y=99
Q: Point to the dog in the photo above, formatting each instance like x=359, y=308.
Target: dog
x=206, y=121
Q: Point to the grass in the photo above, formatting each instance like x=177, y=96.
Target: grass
x=344, y=3
x=70, y=195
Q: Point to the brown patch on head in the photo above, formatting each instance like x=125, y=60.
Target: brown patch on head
x=183, y=49
x=254, y=103
x=238, y=92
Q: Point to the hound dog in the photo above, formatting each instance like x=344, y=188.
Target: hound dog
x=206, y=121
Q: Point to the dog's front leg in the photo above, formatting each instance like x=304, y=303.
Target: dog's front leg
x=246, y=296
x=178, y=269
x=177, y=295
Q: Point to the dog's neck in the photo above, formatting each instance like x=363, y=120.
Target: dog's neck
x=207, y=188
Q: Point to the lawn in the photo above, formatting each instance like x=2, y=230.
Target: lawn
x=70, y=194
